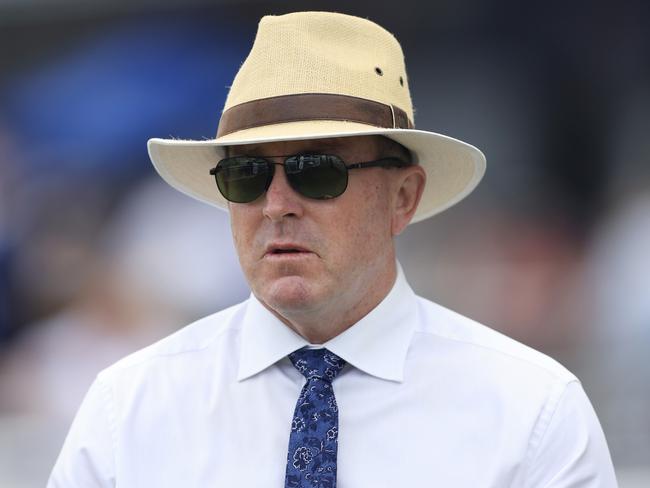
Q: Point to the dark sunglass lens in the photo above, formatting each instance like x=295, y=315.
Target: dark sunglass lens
x=243, y=179
x=319, y=176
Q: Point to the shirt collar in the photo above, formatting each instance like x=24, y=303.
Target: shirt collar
x=377, y=344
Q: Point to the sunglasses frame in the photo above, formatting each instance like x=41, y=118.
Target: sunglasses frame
x=389, y=162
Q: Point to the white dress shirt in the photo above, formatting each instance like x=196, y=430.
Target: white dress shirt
x=429, y=398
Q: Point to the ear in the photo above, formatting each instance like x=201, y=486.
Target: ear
x=409, y=185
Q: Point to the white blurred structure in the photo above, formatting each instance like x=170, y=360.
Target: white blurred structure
x=618, y=281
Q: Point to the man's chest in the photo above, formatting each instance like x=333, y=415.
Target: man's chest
x=387, y=437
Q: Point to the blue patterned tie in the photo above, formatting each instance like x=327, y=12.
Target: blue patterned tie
x=311, y=461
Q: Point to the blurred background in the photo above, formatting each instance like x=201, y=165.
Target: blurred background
x=99, y=258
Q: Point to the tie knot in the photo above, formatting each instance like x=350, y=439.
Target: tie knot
x=317, y=363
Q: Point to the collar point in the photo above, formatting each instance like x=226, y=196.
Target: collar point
x=244, y=375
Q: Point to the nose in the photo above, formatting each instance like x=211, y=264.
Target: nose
x=281, y=200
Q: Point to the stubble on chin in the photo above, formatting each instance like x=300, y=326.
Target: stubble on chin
x=287, y=294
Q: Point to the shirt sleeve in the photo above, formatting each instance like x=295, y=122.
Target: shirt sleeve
x=571, y=451
x=87, y=457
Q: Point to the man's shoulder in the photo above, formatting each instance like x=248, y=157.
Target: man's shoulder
x=192, y=339
x=454, y=331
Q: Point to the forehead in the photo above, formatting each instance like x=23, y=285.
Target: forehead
x=350, y=146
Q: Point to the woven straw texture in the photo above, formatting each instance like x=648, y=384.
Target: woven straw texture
x=323, y=52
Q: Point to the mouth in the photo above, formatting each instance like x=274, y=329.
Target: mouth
x=286, y=251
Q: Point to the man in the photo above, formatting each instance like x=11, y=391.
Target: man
x=333, y=373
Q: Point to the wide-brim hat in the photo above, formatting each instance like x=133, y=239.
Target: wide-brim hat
x=314, y=75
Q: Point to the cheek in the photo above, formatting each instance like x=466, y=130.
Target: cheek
x=374, y=207
x=365, y=223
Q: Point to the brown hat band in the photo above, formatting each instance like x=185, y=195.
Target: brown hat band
x=311, y=106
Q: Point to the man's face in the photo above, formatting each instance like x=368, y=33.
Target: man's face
x=303, y=256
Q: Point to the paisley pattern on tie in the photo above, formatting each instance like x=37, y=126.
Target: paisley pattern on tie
x=311, y=460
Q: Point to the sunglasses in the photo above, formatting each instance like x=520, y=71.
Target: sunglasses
x=243, y=179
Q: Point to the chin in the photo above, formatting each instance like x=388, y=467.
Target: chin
x=289, y=293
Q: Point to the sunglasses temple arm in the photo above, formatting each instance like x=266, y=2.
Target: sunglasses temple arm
x=380, y=163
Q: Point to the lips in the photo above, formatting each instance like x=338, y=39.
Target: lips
x=286, y=249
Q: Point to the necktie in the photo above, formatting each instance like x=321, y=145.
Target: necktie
x=311, y=460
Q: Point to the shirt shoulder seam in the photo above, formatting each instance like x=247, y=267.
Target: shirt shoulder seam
x=130, y=362
x=110, y=417
x=567, y=376
x=542, y=424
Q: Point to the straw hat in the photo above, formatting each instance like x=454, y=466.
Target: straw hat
x=313, y=75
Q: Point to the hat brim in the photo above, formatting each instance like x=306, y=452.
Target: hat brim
x=453, y=167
